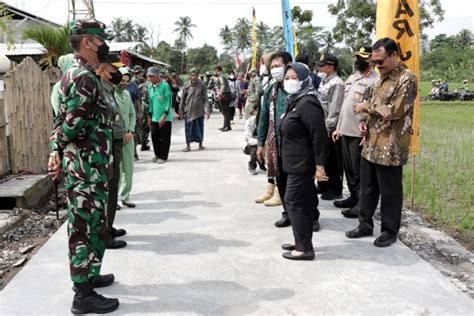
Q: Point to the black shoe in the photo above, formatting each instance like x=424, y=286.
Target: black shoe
x=118, y=207
x=288, y=247
x=226, y=129
x=221, y=128
x=128, y=204
x=95, y=304
x=144, y=148
x=103, y=280
x=118, y=232
x=115, y=244
x=262, y=166
x=359, y=232
x=283, y=222
x=351, y=213
x=346, y=203
x=305, y=256
x=330, y=195
x=385, y=240
x=316, y=226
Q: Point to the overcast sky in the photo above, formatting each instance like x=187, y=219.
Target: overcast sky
x=210, y=15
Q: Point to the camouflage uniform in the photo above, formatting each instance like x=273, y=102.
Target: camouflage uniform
x=142, y=130
x=253, y=92
x=83, y=136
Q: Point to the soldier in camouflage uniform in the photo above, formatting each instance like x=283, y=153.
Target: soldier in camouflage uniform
x=387, y=130
x=142, y=130
x=82, y=143
x=255, y=86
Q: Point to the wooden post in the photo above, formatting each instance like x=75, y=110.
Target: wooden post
x=413, y=182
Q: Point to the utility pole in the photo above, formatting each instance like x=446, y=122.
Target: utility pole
x=81, y=9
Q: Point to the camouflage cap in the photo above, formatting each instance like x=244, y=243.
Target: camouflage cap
x=89, y=27
x=137, y=68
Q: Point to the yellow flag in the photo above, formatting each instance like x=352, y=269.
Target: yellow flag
x=400, y=20
x=295, y=43
x=254, y=40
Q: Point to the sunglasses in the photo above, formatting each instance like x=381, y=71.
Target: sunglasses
x=379, y=61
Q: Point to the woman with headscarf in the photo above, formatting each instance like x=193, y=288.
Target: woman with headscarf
x=303, y=151
x=64, y=63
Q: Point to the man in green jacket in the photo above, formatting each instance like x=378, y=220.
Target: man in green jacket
x=160, y=115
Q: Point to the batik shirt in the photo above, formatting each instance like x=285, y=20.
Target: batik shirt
x=389, y=118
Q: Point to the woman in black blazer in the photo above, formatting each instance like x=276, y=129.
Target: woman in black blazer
x=303, y=152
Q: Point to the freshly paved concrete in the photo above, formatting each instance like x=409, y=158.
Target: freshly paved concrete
x=198, y=244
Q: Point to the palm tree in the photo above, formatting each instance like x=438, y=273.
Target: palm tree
x=183, y=29
x=327, y=41
x=55, y=41
x=243, y=34
x=263, y=36
x=227, y=37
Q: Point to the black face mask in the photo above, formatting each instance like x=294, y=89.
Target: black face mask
x=361, y=65
x=116, y=77
x=102, y=52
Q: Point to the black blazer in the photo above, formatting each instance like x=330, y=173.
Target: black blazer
x=304, y=137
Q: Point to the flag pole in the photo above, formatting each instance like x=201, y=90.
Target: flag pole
x=413, y=182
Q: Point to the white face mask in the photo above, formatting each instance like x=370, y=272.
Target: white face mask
x=277, y=73
x=322, y=75
x=263, y=70
x=292, y=85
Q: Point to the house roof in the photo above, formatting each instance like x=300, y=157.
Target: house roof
x=33, y=49
x=19, y=12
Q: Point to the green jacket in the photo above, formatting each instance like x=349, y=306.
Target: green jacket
x=159, y=101
x=127, y=109
x=263, y=123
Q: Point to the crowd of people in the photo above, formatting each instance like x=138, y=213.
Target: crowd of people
x=304, y=126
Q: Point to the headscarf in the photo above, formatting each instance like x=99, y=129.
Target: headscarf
x=306, y=88
x=65, y=62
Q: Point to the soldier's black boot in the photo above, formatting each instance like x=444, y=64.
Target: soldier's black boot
x=87, y=301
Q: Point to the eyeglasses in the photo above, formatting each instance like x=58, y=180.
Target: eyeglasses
x=379, y=61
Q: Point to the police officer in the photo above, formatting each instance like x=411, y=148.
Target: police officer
x=82, y=143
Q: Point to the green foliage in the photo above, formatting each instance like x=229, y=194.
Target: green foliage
x=226, y=61
x=183, y=28
x=451, y=58
x=445, y=167
x=355, y=22
x=54, y=40
x=243, y=34
x=202, y=57
x=5, y=26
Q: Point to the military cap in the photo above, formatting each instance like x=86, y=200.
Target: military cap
x=364, y=52
x=266, y=59
x=137, y=68
x=124, y=71
x=89, y=27
x=163, y=72
x=327, y=59
x=153, y=71
x=114, y=60
x=193, y=71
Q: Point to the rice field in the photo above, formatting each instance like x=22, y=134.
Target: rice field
x=444, y=189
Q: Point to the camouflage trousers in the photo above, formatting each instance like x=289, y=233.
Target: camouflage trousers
x=87, y=228
x=142, y=131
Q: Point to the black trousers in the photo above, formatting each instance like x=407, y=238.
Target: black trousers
x=114, y=183
x=253, y=156
x=282, y=181
x=351, y=155
x=333, y=168
x=300, y=205
x=144, y=129
x=161, y=139
x=385, y=181
x=225, y=109
x=231, y=113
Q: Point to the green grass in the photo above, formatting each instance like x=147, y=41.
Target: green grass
x=444, y=189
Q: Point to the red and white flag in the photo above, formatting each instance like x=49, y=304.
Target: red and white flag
x=237, y=61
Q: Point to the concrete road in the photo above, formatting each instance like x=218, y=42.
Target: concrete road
x=199, y=245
